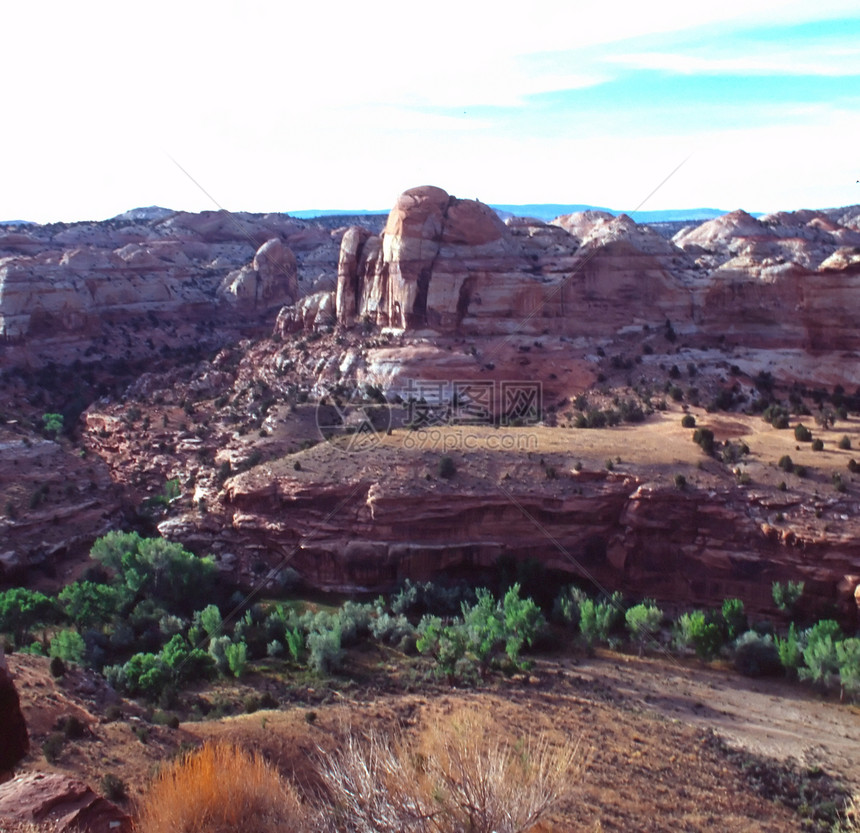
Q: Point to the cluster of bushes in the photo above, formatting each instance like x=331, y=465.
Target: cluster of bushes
x=623, y=410
x=488, y=634
x=128, y=608
x=136, y=619
x=819, y=653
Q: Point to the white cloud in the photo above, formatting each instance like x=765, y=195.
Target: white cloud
x=834, y=62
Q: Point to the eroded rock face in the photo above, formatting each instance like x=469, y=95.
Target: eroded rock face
x=71, y=292
x=13, y=728
x=67, y=803
x=270, y=281
x=452, y=265
x=787, y=279
x=644, y=539
x=311, y=313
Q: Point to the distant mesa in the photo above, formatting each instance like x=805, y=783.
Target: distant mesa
x=545, y=212
x=150, y=212
x=312, y=213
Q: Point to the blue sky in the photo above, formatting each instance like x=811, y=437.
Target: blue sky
x=274, y=106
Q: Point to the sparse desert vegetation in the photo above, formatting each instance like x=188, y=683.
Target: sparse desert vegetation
x=334, y=542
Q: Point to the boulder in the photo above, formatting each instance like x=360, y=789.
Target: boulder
x=65, y=802
x=13, y=728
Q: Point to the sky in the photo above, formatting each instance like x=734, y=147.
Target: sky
x=279, y=106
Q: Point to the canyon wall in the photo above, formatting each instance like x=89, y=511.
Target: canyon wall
x=645, y=539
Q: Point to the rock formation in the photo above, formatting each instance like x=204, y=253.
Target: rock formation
x=445, y=291
x=78, y=291
x=13, y=728
x=453, y=266
x=270, y=281
x=68, y=804
x=644, y=539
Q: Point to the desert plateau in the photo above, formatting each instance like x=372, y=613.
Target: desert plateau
x=308, y=487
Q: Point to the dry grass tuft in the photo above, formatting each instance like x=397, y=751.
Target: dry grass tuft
x=850, y=822
x=455, y=777
x=222, y=789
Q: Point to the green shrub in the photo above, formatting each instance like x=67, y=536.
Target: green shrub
x=802, y=434
x=596, y=619
x=163, y=718
x=734, y=617
x=819, y=655
x=790, y=650
x=392, y=630
x=643, y=621
x=89, y=603
x=218, y=652
x=295, y=639
x=72, y=727
x=818, y=445
x=144, y=674
x=446, y=643
x=566, y=607
x=776, y=415
x=845, y=442
x=848, y=660
x=704, y=437
x=52, y=424
x=57, y=667
x=156, y=568
x=694, y=629
x=210, y=620
x=68, y=646
x=786, y=596
x=325, y=655
x=688, y=421
x=786, y=463
x=236, y=654
x=756, y=655
x=22, y=610
x=680, y=481
x=354, y=621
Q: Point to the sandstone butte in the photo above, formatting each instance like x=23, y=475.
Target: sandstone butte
x=445, y=290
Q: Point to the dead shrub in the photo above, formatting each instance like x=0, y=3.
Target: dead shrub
x=222, y=789
x=850, y=821
x=455, y=777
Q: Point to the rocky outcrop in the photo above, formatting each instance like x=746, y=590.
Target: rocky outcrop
x=642, y=538
x=67, y=290
x=68, y=804
x=13, y=727
x=783, y=280
x=453, y=266
x=269, y=282
x=311, y=313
